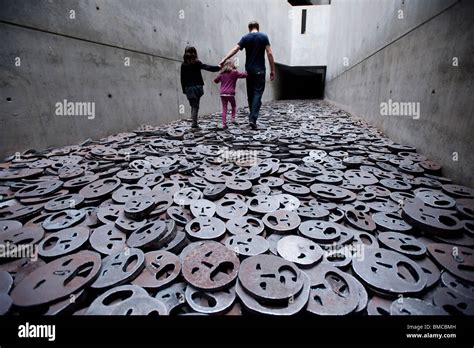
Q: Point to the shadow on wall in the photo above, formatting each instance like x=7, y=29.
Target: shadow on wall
x=301, y=82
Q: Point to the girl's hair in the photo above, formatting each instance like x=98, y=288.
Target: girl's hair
x=190, y=55
x=228, y=66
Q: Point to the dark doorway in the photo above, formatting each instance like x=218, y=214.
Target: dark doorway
x=301, y=82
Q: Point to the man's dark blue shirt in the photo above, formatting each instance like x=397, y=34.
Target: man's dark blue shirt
x=254, y=44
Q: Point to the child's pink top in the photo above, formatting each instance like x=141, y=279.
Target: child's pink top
x=228, y=81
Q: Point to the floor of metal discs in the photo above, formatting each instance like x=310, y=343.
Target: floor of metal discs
x=314, y=211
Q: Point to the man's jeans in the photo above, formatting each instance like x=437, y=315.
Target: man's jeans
x=255, y=89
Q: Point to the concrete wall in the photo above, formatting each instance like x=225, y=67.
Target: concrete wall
x=82, y=59
x=310, y=48
x=408, y=60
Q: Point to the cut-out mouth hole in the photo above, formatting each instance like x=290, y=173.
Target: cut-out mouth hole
x=329, y=231
x=272, y=220
x=50, y=243
x=407, y=272
x=83, y=271
x=118, y=296
x=337, y=284
x=382, y=311
x=195, y=227
x=130, y=263
x=204, y=300
x=410, y=248
x=165, y=272
x=466, y=268
x=447, y=221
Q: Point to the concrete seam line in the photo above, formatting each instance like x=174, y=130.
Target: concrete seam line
x=397, y=39
x=89, y=41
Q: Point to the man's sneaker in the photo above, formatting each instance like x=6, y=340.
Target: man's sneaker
x=224, y=127
x=195, y=129
x=253, y=125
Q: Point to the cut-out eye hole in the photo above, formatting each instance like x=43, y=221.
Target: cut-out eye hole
x=258, y=267
x=378, y=255
x=67, y=262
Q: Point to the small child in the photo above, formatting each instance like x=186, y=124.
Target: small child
x=192, y=82
x=228, y=78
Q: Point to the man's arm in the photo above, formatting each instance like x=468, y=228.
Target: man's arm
x=271, y=60
x=231, y=53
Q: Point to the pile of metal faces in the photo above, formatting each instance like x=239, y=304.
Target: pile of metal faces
x=316, y=211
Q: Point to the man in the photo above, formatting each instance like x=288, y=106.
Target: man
x=255, y=44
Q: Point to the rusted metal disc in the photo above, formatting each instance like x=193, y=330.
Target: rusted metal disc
x=263, y=204
x=291, y=306
x=179, y=215
x=127, y=225
x=211, y=266
x=205, y=227
x=457, y=260
x=57, y=279
x=458, y=285
x=389, y=271
x=391, y=222
x=141, y=305
x=25, y=237
x=126, y=192
x=215, y=302
x=453, y=302
x=431, y=271
x=320, y=231
x=100, y=188
x=9, y=225
x=137, y=208
x=331, y=192
x=231, y=208
x=435, y=199
x=379, y=306
x=109, y=300
x=203, y=207
x=152, y=235
x=63, y=242
x=161, y=269
x=80, y=182
x=173, y=296
x=414, y=306
x=69, y=201
x=333, y=292
x=360, y=220
x=186, y=196
x=270, y=278
x=107, y=239
x=281, y=221
x=120, y=267
x=245, y=225
x=39, y=189
x=402, y=243
x=431, y=220
x=63, y=219
x=458, y=191
x=19, y=211
x=299, y=250
x=247, y=245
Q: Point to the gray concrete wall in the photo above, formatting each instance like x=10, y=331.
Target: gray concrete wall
x=310, y=48
x=82, y=59
x=408, y=60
